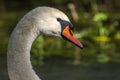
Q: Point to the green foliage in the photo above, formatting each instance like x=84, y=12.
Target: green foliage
x=98, y=37
x=98, y=31
x=38, y=51
x=100, y=17
x=103, y=58
x=58, y=1
x=117, y=35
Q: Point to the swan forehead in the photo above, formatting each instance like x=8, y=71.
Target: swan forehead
x=48, y=12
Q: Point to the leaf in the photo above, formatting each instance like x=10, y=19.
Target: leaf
x=100, y=17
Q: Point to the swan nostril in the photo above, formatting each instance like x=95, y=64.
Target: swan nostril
x=71, y=33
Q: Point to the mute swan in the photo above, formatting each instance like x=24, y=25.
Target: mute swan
x=41, y=20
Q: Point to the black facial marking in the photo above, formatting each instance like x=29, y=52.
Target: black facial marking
x=64, y=24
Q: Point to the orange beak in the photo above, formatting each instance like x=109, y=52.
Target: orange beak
x=68, y=34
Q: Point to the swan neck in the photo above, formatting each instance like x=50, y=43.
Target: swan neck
x=18, y=55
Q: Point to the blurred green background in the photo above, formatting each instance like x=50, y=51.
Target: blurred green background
x=96, y=25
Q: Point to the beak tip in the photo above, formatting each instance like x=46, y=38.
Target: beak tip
x=81, y=46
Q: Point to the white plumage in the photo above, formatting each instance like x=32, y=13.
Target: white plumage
x=41, y=20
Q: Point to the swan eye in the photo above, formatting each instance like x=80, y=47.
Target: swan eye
x=58, y=19
x=65, y=23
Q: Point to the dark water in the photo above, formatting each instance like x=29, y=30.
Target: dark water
x=54, y=70
x=81, y=72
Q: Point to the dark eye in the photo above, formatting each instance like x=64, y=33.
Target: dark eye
x=58, y=19
x=65, y=23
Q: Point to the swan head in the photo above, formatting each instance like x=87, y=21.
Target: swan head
x=53, y=22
